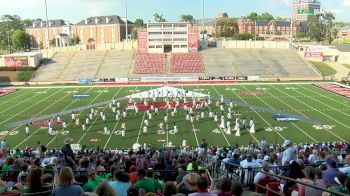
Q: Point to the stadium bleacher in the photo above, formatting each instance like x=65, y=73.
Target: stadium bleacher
x=149, y=63
x=186, y=63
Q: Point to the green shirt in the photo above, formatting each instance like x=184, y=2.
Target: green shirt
x=93, y=183
x=108, y=176
x=147, y=184
x=5, y=168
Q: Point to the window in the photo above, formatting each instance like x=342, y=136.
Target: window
x=151, y=46
x=159, y=46
x=155, y=26
x=180, y=32
x=180, y=39
x=154, y=40
x=183, y=46
x=167, y=39
x=167, y=33
x=176, y=46
x=154, y=33
x=167, y=26
x=179, y=25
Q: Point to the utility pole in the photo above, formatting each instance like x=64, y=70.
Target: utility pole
x=291, y=25
x=47, y=30
x=126, y=21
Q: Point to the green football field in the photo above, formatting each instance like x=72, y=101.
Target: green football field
x=304, y=100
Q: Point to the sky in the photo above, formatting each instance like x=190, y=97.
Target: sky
x=77, y=10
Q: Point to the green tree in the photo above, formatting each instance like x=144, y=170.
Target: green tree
x=315, y=28
x=20, y=40
x=243, y=36
x=138, y=24
x=74, y=41
x=329, y=27
x=266, y=16
x=226, y=27
x=252, y=16
x=322, y=27
x=158, y=17
x=186, y=18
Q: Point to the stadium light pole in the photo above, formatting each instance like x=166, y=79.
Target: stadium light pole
x=47, y=30
x=203, y=21
x=291, y=25
x=126, y=21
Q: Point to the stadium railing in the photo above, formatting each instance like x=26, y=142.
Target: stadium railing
x=246, y=176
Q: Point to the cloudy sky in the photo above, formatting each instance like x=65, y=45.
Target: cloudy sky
x=76, y=10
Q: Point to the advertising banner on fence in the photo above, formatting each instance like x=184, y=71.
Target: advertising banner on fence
x=16, y=61
x=121, y=79
x=85, y=80
x=168, y=79
x=223, y=78
x=313, y=54
x=253, y=78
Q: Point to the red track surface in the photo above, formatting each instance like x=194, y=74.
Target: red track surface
x=165, y=83
x=335, y=89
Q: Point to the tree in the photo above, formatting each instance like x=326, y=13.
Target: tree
x=20, y=40
x=91, y=40
x=138, y=24
x=322, y=27
x=74, y=41
x=253, y=16
x=158, y=17
x=186, y=18
x=226, y=27
x=266, y=16
x=243, y=36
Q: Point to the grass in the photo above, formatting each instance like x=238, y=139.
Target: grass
x=324, y=68
x=346, y=65
x=299, y=99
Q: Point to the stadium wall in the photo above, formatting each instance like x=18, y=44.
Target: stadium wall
x=27, y=59
x=131, y=45
x=253, y=44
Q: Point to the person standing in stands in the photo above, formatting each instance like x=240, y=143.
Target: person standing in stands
x=289, y=154
x=145, y=183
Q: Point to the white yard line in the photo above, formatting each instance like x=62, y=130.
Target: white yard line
x=26, y=110
x=23, y=101
x=71, y=121
x=333, y=100
x=15, y=97
x=36, y=115
x=228, y=143
x=317, y=111
x=259, y=115
x=81, y=138
x=193, y=128
x=296, y=111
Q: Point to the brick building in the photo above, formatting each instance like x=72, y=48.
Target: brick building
x=278, y=27
x=58, y=30
x=92, y=30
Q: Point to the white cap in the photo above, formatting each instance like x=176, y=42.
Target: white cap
x=266, y=158
x=286, y=142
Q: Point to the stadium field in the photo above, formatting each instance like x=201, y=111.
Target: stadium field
x=329, y=116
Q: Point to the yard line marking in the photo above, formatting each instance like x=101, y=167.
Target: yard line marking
x=115, y=126
x=319, y=112
x=95, y=119
x=70, y=121
x=18, y=104
x=36, y=115
x=16, y=97
x=296, y=111
x=26, y=110
x=193, y=128
x=273, y=128
x=219, y=125
x=347, y=105
x=324, y=104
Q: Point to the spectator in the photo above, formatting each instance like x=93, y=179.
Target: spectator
x=259, y=176
x=225, y=187
x=182, y=173
x=93, y=181
x=67, y=150
x=236, y=188
x=190, y=183
x=309, y=178
x=202, y=184
x=103, y=189
x=66, y=184
x=133, y=192
x=133, y=174
x=249, y=166
x=8, y=163
x=331, y=172
x=289, y=154
x=294, y=172
x=144, y=182
x=121, y=183
x=110, y=175
x=34, y=183
x=169, y=189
